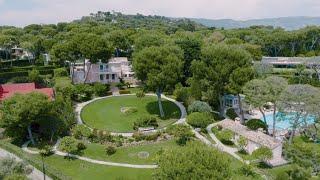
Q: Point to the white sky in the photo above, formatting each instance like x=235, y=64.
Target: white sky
x=23, y=12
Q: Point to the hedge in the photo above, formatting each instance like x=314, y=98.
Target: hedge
x=15, y=63
x=50, y=171
x=9, y=75
x=27, y=68
x=255, y=124
x=231, y=113
x=200, y=120
x=124, y=92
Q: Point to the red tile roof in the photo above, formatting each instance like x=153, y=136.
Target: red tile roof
x=8, y=90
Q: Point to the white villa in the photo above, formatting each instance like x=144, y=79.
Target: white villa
x=255, y=140
x=291, y=62
x=20, y=53
x=117, y=68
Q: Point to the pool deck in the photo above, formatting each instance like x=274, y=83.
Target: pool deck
x=256, y=114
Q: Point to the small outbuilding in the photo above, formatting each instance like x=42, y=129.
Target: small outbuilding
x=255, y=140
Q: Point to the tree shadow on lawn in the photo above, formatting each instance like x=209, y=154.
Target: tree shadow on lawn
x=68, y=157
x=171, y=110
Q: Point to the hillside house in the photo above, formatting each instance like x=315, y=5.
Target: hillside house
x=291, y=62
x=112, y=72
x=20, y=53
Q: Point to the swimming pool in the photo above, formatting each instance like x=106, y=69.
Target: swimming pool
x=283, y=121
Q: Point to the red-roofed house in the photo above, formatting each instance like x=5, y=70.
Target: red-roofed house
x=8, y=90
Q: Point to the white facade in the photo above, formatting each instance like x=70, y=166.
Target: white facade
x=111, y=72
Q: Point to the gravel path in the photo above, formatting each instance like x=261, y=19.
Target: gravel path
x=35, y=174
x=220, y=145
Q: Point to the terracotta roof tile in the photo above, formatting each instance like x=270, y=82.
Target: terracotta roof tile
x=8, y=90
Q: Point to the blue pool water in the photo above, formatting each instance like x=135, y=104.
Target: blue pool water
x=283, y=121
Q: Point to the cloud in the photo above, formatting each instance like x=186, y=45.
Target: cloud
x=53, y=11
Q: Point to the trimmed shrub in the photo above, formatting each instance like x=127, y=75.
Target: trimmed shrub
x=69, y=144
x=262, y=153
x=46, y=150
x=182, y=132
x=130, y=110
x=231, y=113
x=80, y=131
x=104, y=136
x=255, y=124
x=110, y=150
x=60, y=72
x=282, y=175
x=182, y=94
x=224, y=135
x=121, y=85
x=20, y=79
x=147, y=121
x=100, y=89
x=81, y=92
x=81, y=146
x=199, y=106
x=148, y=137
x=138, y=136
x=140, y=94
x=34, y=76
x=200, y=120
x=124, y=92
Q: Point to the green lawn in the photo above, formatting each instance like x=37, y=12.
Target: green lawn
x=106, y=114
x=128, y=154
x=62, y=82
x=134, y=90
x=78, y=169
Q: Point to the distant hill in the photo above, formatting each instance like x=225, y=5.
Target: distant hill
x=288, y=23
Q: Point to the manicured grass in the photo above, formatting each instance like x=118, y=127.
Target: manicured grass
x=273, y=172
x=78, y=169
x=106, y=114
x=134, y=90
x=128, y=154
x=245, y=156
x=62, y=82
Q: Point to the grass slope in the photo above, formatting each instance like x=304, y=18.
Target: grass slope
x=128, y=154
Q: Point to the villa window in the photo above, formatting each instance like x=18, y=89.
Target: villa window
x=106, y=66
x=107, y=76
x=101, y=77
x=113, y=76
x=101, y=67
